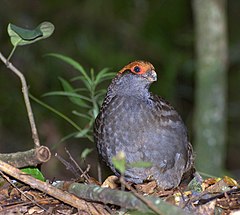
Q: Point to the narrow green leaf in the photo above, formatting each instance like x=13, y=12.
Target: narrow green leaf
x=92, y=75
x=68, y=94
x=103, y=75
x=34, y=172
x=55, y=146
x=102, y=72
x=73, y=63
x=119, y=162
x=106, y=77
x=100, y=95
x=95, y=112
x=82, y=133
x=81, y=90
x=81, y=115
x=21, y=36
x=68, y=88
x=86, y=83
x=101, y=91
x=56, y=112
x=86, y=152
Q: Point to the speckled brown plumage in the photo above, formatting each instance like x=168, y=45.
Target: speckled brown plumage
x=144, y=126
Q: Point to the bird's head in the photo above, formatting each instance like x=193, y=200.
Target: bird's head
x=134, y=78
x=142, y=69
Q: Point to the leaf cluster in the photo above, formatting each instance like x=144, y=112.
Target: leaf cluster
x=87, y=98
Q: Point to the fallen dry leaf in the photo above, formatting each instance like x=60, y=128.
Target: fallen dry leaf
x=111, y=182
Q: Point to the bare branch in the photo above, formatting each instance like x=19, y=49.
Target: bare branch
x=61, y=195
x=26, y=99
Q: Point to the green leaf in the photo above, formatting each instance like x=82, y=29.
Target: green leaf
x=83, y=79
x=68, y=94
x=81, y=115
x=81, y=90
x=100, y=94
x=140, y=164
x=56, y=112
x=73, y=63
x=56, y=145
x=102, y=72
x=85, y=153
x=95, y=112
x=34, y=172
x=21, y=36
x=82, y=133
x=104, y=75
x=119, y=162
x=68, y=88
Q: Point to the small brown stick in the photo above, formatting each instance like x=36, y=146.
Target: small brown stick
x=51, y=190
x=84, y=173
x=34, y=202
x=67, y=165
x=26, y=99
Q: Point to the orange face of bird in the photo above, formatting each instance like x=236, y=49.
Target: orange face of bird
x=143, y=68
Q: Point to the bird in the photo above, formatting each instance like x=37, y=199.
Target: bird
x=145, y=127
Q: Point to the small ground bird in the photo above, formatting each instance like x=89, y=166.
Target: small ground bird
x=143, y=126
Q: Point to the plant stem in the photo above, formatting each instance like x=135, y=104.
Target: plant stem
x=25, y=96
x=59, y=114
x=11, y=54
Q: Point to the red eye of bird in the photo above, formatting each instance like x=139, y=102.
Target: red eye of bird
x=137, y=69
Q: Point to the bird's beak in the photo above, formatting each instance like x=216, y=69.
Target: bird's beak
x=151, y=75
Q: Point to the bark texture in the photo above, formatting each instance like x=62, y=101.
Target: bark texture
x=211, y=85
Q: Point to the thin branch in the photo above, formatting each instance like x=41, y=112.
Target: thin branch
x=26, y=99
x=61, y=195
x=84, y=173
x=26, y=196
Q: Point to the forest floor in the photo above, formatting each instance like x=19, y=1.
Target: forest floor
x=212, y=196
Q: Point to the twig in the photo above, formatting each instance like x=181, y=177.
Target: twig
x=67, y=165
x=26, y=99
x=84, y=173
x=51, y=190
x=34, y=202
x=221, y=195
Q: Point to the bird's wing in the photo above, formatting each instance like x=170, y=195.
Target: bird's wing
x=174, y=123
x=97, y=128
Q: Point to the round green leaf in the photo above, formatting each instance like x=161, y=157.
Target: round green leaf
x=21, y=36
